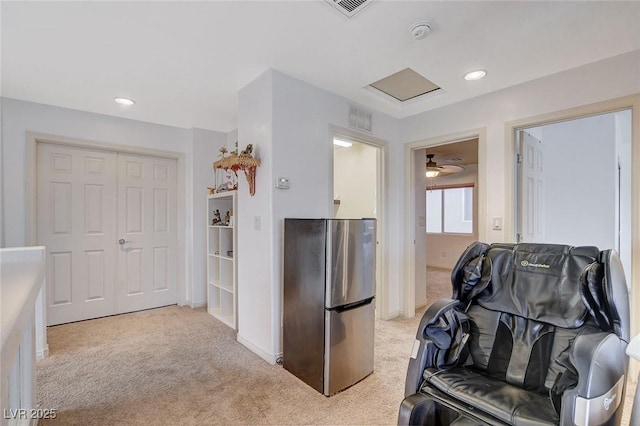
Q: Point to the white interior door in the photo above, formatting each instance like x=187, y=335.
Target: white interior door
x=87, y=201
x=146, y=233
x=531, y=189
x=76, y=222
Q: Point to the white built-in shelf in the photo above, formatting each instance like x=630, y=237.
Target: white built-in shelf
x=221, y=255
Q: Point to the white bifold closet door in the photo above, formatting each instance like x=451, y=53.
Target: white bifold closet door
x=108, y=221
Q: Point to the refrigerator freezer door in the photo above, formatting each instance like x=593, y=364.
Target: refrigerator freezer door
x=348, y=347
x=351, y=261
x=303, y=311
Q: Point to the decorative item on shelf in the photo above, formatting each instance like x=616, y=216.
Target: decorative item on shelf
x=231, y=180
x=227, y=218
x=216, y=218
x=244, y=161
x=226, y=178
x=211, y=190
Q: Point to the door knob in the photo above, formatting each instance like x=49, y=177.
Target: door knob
x=122, y=242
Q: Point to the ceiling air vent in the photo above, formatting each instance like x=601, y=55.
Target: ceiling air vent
x=360, y=119
x=350, y=7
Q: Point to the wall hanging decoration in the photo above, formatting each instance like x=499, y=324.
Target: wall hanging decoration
x=244, y=161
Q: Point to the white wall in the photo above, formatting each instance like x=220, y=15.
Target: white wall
x=256, y=289
x=420, y=180
x=608, y=79
x=623, y=148
x=580, y=169
x=1, y=168
x=354, y=181
x=1, y=146
x=206, y=146
x=19, y=117
x=494, y=114
x=288, y=121
x=232, y=138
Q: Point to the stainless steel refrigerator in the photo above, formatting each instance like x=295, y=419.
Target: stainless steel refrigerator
x=329, y=289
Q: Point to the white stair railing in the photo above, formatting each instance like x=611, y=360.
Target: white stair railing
x=22, y=277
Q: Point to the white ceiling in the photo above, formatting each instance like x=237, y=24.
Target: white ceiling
x=185, y=62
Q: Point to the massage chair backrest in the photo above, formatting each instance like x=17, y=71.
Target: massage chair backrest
x=559, y=285
x=527, y=303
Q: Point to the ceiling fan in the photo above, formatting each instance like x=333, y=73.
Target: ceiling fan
x=434, y=170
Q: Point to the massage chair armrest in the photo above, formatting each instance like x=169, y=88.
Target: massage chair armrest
x=601, y=364
x=421, y=346
x=415, y=409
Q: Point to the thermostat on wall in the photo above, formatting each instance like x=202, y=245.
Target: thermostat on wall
x=282, y=183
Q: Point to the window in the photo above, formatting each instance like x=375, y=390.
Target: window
x=450, y=210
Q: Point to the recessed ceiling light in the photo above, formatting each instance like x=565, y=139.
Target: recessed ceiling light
x=124, y=101
x=475, y=75
x=340, y=142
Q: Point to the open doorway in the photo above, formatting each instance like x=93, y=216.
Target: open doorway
x=415, y=225
x=357, y=189
x=355, y=179
x=446, y=201
x=574, y=183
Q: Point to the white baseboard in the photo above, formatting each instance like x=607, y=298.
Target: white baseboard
x=422, y=303
x=270, y=358
x=391, y=315
x=40, y=355
x=201, y=304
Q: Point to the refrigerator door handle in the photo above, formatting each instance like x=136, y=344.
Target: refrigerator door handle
x=353, y=305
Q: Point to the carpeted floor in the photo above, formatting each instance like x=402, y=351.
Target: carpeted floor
x=177, y=365
x=438, y=284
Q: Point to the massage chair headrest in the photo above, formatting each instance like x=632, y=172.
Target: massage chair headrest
x=556, y=284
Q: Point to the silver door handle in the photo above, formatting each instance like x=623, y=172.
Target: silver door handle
x=122, y=242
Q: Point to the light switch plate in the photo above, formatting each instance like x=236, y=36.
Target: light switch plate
x=497, y=223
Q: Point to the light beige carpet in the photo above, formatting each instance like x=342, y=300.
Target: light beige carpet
x=177, y=365
x=180, y=366
x=438, y=284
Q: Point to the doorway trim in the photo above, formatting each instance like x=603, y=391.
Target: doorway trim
x=631, y=103
x=382, y=289
x=32, y=140
x=409, y=308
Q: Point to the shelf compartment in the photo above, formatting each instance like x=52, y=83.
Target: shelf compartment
x=221, y=202
x=213, y=270
x=213, y=300
x=214, y=239
x=226, y=305
x=226, y=242
x=226, y=274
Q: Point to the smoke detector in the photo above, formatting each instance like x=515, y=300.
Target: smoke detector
x=420, y=30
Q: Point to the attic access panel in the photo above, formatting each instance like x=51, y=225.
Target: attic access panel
x=404, y=85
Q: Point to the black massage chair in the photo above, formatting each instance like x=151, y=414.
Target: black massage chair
x=534, y=334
